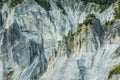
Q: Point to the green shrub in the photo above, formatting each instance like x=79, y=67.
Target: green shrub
x=89, y=19
x=16, y=2
x=110, y=23
x=90, y=16
x=103, y=3
x=80, y=24
x=115, y=71
x=6, y=1
x=44, y=3
x=79, y=29
x=117, y=11
x=103, y=7
x=60, y=6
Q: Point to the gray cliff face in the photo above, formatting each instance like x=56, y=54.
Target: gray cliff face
x=36, y=44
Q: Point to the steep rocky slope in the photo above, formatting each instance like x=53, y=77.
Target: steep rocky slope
x=59, y=40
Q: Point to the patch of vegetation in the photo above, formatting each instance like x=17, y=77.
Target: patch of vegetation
x=15, y=3
x=103, y=7
x=9, y=75
x=89, y=19
x=104, y=4
x=6, y=1
x=44, y=3
x=60, y=6
x=90, y=16
x=79, y=29
x=117, y=11
x=110, y=23
x=115, y=71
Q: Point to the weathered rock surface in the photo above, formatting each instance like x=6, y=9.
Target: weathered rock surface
x=36, y=44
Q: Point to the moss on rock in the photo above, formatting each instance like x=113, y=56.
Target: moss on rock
x=115, y=71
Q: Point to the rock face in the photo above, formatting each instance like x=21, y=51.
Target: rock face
x=62, y=43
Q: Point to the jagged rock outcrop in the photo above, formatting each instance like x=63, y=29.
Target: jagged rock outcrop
x=69, y=41
x=93, y=54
